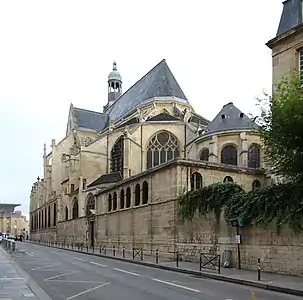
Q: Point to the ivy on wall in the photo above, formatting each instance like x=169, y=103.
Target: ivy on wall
x=280, y=204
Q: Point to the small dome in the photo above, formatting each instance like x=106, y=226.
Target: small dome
x=114, y=75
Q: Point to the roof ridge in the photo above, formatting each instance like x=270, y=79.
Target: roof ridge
x=159, y=63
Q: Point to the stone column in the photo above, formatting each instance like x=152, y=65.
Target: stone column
x=243, y=156
x=213, y=149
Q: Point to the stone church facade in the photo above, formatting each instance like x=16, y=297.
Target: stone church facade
x=114, y=178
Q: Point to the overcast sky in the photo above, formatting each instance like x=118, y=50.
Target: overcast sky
x=53, y=53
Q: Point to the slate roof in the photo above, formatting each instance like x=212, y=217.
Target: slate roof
x=158, y=82
x=90, y=119
x=106, y=178
x=233, y=120
x=291, y=16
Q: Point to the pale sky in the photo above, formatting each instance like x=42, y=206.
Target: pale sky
x=53, y=53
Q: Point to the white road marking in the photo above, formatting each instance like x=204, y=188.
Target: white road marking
x=41, y=268
x=78, y=258
x=176, y=285
x=127, y=272
x=87, y=291
x=100, y=265
x=60, y=275
x=30, y=254
x=7, y=278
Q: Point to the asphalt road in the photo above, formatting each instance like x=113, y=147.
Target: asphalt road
x=68, y=275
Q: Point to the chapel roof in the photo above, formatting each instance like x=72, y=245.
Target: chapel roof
x=230, y=118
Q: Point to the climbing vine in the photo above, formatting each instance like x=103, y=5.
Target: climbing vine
x=280, y=204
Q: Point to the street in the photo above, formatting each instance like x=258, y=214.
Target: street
x=68, y=275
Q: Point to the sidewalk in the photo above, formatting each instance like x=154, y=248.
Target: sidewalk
x=12, y=285
x=270, y=281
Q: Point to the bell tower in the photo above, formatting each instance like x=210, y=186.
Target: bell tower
x=114, y=86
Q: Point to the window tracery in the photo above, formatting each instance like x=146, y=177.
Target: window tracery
x=117, y=156
x=254, y=156
x=163, y=147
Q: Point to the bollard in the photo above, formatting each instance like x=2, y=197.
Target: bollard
x=157, y=256
x=259, y=270
x=200, y=262
x=13, y=246
x=123, y=252
x=177, y=259
x=133, y=253
x=93, y=249
x=86, y=247
x=114, y=250
x=219, y=265
x=100, y=249
x=72, y=246
x=141, y=252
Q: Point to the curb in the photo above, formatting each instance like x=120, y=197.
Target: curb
x=256, y=284
x=29, y=281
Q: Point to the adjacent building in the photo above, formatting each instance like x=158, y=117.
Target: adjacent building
x=12, y=222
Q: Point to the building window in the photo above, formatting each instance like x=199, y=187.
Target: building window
x=84, y=184
x=204, y=154
x=109, y=203
x=229, y=155
x=55, y=214
x=90, y=204
x=117, y=156
x=122, y=199
x=137, y=194
x=49, y=217
x=72, y=188
x=254, y=156
x=45, y=217
x=195, y=181
x=66, y=213
x=75, y=209
x=115, y=201
x=128, y=197
x=145, y=192
x=163, y=147
x=256, y=184
x=228, y=179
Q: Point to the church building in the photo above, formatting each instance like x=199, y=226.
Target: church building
x=115, y=176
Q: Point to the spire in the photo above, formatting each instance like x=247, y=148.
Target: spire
x=114, y=86
x=114, y=66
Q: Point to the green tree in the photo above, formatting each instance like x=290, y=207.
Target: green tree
x=281, y=126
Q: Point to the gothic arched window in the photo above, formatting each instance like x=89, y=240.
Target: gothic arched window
x=128, y=197
x=122, y=199
x=75, y=209
x=254, y=156
x=115, y=201
x=137, y=194
x=66, y=213
x=228, y=179
x=229, y=155
x=256, y=183
x=109, y=202
x=90, y=204
x=204, y=154
x=145, y=192
x=117, y=157
x=195, y=181
x=163, y=147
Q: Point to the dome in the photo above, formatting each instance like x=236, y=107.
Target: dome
x=114, y=75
